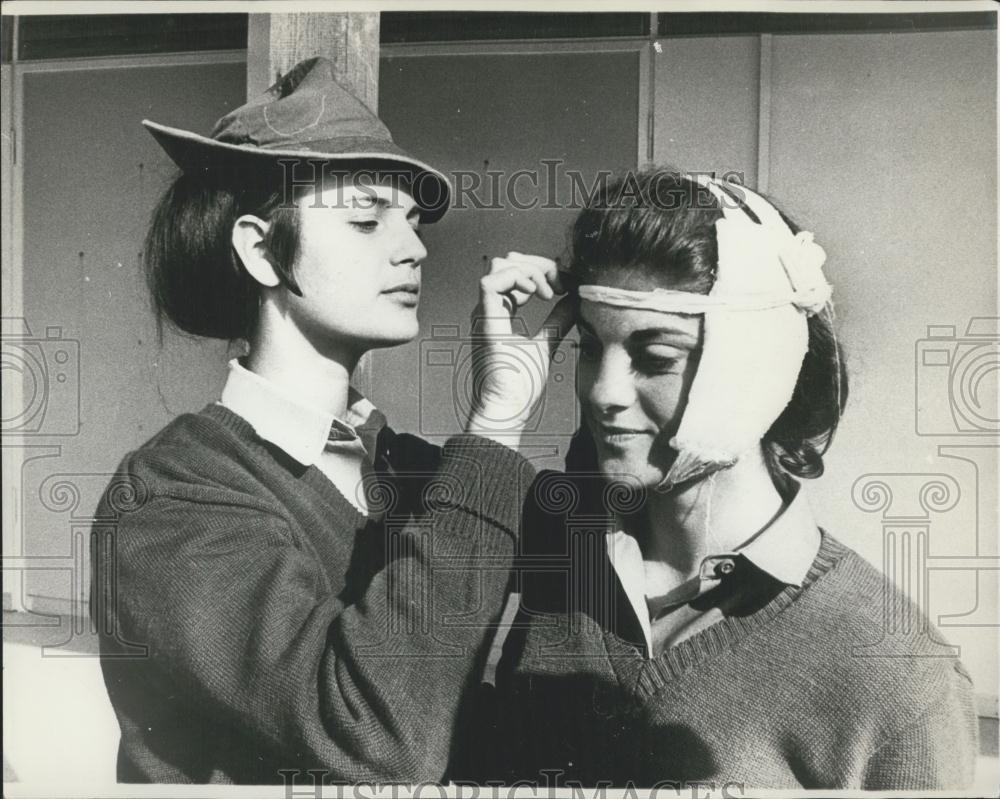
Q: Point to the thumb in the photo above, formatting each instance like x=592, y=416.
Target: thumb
x=558, y=323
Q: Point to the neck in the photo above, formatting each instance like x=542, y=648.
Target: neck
x=677, y=529
x=280, y=353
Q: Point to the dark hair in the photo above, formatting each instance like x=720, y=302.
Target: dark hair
x=195, y=279
x=660, y=223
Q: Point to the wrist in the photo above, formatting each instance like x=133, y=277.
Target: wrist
x=496, y=425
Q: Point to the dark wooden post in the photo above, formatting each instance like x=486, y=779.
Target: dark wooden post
x=277, y=42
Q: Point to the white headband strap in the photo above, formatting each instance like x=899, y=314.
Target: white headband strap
x=684, y=302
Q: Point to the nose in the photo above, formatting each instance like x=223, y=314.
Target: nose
x=608, y=385
x=409, y=249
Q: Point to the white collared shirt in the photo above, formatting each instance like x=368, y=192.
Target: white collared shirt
x=302, y=431
x=784, y=549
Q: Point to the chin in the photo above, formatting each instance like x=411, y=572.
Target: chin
x=615, y=464
x=636, y=465
x=402, y=332
x=386, y=342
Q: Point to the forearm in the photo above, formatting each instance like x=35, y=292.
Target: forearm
x=243, y=625
x=409, y=651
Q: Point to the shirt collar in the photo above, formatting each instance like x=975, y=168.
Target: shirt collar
x=299, y=430
x=785, y=549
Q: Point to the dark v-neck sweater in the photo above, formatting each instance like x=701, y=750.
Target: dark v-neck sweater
x=839, y=683
x=256, y=622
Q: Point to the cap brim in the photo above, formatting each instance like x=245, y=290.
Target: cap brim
x=195, y=153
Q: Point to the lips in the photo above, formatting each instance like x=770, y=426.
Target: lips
x=404, y=288
x=407, y=294
x=616, y=434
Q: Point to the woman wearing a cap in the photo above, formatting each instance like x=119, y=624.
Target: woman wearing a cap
x=702, y=629
x=309, y=589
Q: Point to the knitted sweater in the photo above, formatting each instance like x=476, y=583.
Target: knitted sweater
x=256, y=623
x=808, y=689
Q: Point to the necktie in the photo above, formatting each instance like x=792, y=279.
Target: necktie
x=366, y=433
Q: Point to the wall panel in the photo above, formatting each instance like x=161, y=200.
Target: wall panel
x=501, y=113
x=706, y=106
x=91, y=177
x=885, y=147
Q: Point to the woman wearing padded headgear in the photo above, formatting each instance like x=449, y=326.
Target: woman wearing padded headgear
x=280, y=587
x=683, y=618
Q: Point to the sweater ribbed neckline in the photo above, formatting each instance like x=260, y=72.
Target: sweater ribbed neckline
x=650, y=675
x=311, y=475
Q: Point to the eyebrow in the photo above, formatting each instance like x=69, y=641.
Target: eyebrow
x=382, y=203
x=644, y=335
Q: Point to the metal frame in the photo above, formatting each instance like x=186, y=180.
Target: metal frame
x=764, y=113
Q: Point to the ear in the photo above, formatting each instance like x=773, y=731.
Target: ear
x=248, y=241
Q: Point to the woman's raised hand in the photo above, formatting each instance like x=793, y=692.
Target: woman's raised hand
x=511, y=367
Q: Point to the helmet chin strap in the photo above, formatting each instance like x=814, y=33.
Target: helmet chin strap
x=769, y=280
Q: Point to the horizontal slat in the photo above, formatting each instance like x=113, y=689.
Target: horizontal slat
x=702, y=24
x=79, y=36
x=399, y=27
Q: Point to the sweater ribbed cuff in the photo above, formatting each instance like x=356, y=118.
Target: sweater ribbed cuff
x=485, y=479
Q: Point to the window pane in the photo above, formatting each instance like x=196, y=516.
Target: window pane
x=708, y=23
x=466, y=26
x=78, y=36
